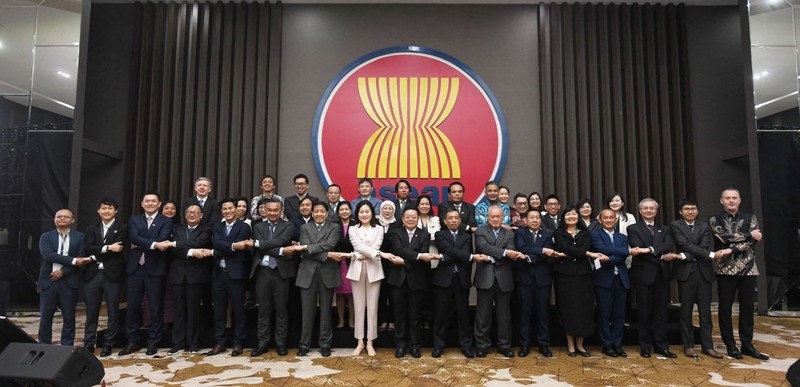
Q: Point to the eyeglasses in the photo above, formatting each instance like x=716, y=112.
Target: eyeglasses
x=300, y=184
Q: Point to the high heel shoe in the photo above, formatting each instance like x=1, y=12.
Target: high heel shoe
x=359, y=348
x=370, y=349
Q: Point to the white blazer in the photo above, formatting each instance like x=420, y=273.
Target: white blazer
x=366, y=253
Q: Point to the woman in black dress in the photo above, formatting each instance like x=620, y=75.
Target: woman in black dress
x=574, y=281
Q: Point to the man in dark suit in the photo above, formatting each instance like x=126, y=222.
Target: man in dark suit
x=189, y=275
x=455, y=200
x=409, y=278
x=403, y=191
x=694, y=274
x=209, y=205
x=494, y=280
x=62, y=256
x=292, y=202
x=650, y=276
x=451, y=278
x=611, y=282
x=106, y=242
x=273, y=268
x=317, y=276
x=230, y=271
x=147, y=267
x=735, y=235
x=552, y=207
x=533, y=281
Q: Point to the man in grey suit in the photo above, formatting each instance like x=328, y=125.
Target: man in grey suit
x=317, y=276
x=273, y=267
x=494, y=280
x=694, y=274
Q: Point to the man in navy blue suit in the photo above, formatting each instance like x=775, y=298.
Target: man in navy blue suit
x=611, y=282
x=231, y=240
x=62, y=251
x=534, y=280
x=147, y=269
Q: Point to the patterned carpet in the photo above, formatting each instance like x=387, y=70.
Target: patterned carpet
x=778, y=337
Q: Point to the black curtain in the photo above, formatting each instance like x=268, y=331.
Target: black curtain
x=615, y=106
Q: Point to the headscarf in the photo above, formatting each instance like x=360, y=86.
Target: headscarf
x=385, y=222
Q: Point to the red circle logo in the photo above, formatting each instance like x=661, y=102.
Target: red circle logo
x=409, y=113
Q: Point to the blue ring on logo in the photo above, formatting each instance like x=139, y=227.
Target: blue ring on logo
x=416, y=49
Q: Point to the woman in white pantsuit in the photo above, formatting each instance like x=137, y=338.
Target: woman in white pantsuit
x=365, y=274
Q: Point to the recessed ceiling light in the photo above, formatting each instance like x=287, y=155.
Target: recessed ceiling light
x=76, y=43
x=760, y=75
x=63, y=74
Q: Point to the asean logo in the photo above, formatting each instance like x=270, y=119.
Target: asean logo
x=409, y=113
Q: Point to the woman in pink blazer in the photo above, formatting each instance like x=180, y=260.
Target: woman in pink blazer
x=365, y=274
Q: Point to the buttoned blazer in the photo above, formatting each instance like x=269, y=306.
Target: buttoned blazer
x=644, y=267
x=282, y=237
x=319, y=243
x=548, y=224
x=467, y=214
x=156, y=262
x=455, y=252
x=576, y=262
x=237, y=262
x=539, y=266
x=695, y=245
x=617, y=251
x=502, y=268
x=193, y=270
x=413, y=270
x=398, y=213
x=48, y=247
x=211, y=209
x=113, y=263
x=366, y=252
x=291, y=205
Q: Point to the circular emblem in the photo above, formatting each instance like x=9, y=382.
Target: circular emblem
x=409, y=113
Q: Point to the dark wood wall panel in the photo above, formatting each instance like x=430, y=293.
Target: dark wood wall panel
x=614, y=98
x=201, y=98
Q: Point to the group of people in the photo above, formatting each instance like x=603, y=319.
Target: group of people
x=392, y=261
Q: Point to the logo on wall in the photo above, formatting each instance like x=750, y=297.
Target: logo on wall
x=409, y=113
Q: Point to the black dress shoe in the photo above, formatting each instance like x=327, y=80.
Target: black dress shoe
x=572, y=354
x=644, y=353
x=666, y=353
x=175, y=349
x=735, y=354
x=468, y=353
x=507, y=352
x=216, y=350
x=712, y=353
x=237, y=350
x=480, y=352
x=193, y=349
x=262, y=349
x=610, y=352
x=129, y=349
x=325, y=352
x=437, y=352
x=399, y=353
x=620, y=352
x=415, y=353
x=302, y=351
x=151, y=350
x=282, y=351
x=752, y=352
x=105, y=352
x=583, y=353
x=524, y=351
x=545, y=351
x=89, y=347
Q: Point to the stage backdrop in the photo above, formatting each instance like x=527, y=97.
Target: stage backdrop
x=595, y=98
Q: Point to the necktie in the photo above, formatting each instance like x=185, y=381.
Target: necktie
x=62, y=250
x=319, y=227
x=228, y=229
x=535, y=235
x=201, y=202
x=402, y=205
x=691, y=228
x=496, y=234
x=190, y=231
x=651, y=228
x=149, y=223
x=555, y=221
x=455, y=235
x=611, y=236
x=458, y=208
x=271, y=263
x=410, y=236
